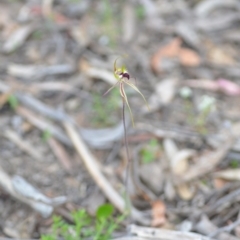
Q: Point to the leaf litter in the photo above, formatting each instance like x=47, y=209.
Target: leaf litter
x=56, y=56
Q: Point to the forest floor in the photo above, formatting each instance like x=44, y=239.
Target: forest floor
x=56, y=62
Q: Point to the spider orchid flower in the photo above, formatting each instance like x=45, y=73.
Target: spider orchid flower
x=123, y=77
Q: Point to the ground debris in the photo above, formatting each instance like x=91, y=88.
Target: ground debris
x=61, y=136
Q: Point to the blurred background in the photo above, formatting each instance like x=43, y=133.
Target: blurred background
x=56, y=62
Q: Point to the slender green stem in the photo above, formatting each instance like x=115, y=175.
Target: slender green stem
x=127, y=151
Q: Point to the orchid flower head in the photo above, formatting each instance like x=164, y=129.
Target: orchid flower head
x=123, y=77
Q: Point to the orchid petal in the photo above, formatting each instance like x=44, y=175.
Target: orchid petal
x=115, y=64
x=110, y=89
x=124, y=96
x=137, y=90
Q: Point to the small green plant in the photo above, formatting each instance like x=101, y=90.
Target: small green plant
x=85, y=227
x=204, y=182
x=12, y=101
x=46, y=135
x=234, y=164
x=140, y=12
x=149, y=152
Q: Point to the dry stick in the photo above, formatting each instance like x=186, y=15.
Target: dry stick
x=7, y=183
x=228, y=228
x=92, y=167
x=145, y=233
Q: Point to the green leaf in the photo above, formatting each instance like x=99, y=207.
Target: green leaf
x=140, y=12
x=105, y=211
x=46, y=135
x=149, y=152
x=234, y=164
x=13, y=102
x=147, y=156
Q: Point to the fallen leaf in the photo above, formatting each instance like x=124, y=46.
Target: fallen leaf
x=47, y=6
x=96, y=72
x=158, y=213
x=17, y=38
x=164, y=93
x=218, y=55
x=168, y=51
x=189, y=57
x=186, y=56
x=155, y=182
x=228, y=87
x=229, y=174
x=170, y=148
x=207, y=162
x=179, y=163
x=224, y=85
x=80, y=35
x=60, y=19
x=4, y=98
x=206, y=84
x=185, y=191
x=219, y=183
x=169, y=190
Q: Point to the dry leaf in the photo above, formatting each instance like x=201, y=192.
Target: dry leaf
x=47, y=6
x=219, y=183
x=207, y=162
x=166, y=90
x=189, y=57
x=228, y=87
x=17, y=38
x=168, y=51
x=158, y=213
x=80, y=35
x=155, y=182
x=169, y=190
x=179, y=163
x=218, y=55
x=164, y=94
x=4, y=98
x=95, y=72
x=185, y=192
x=170, y=148
x=206, y=84
x=229, y=174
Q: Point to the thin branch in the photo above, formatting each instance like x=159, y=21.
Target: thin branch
x=228, y=228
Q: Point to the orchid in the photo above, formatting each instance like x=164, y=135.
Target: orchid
x=123, y=77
